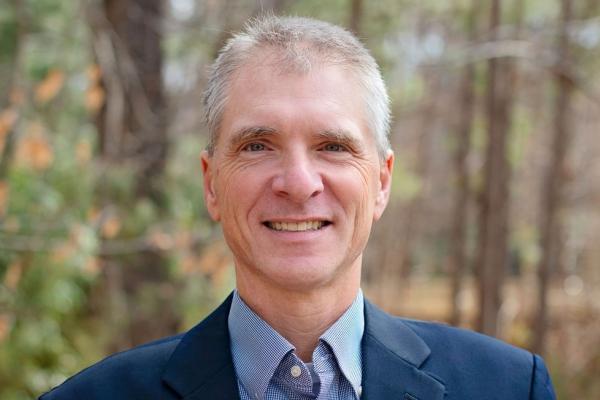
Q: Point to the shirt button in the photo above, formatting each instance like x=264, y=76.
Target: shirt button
x=296, y=371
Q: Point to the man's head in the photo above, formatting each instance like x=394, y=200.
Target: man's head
x=294, y=173
x=301, y=44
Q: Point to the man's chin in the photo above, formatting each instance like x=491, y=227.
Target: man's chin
x=300, y=275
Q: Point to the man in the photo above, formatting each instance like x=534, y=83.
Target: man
x=297, y=169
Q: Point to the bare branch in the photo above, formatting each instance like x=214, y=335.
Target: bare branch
x=543, y=57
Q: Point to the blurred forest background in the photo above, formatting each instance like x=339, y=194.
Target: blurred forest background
x=104, y=239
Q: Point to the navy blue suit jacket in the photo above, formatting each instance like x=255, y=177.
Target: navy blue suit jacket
x=402, y=359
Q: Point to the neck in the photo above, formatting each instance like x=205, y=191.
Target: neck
x=300, y=316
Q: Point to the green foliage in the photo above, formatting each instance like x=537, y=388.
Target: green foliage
x=63, y=202
x=525, y=242
x=521, y=130
x=184, y=180
x=406, y=185
x=8, y=34
x=328, y=11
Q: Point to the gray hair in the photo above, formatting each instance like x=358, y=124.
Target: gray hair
x=298, y=41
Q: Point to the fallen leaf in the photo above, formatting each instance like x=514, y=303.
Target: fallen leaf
x=35, y=150
x=8, y=118
x=94, y=99
x=13, y=275
x=50, y=86
x=111, y=227
x=94, y=73
x=92, y=266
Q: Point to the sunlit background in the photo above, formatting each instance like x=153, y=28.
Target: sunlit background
x=495, y=211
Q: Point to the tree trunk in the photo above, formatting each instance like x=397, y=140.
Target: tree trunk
x=494, y=200
x=552, y=199
x=132, y=127
x=457, y=261
x=356, y=14
x=398, y=259
x=142, y=128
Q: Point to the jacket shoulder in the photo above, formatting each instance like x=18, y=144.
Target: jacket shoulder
x=132, y=374
x=162, y=369
x=471, y=363
x=445, y=340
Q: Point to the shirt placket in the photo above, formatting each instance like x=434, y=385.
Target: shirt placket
x=324, y=364
x=294, y=378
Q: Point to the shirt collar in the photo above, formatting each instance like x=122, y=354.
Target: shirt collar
x=345, y=337
x=257, y=349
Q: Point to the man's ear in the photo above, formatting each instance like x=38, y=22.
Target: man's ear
x=210, y=196
x=385, y=184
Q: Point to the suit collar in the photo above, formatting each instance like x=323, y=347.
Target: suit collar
x=393, y=333
x=201, y=366
x=392, y=356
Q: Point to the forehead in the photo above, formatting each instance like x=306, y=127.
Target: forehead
x=263, y=92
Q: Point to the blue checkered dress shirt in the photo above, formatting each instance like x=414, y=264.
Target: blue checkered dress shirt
x=267, y=367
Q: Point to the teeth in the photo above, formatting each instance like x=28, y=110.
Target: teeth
x=296, y=226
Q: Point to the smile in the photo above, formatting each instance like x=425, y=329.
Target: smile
x=301, y=226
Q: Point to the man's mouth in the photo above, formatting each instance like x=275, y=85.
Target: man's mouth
x=301, y=226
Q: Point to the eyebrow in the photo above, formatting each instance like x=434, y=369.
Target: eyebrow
x=340, y=136
x=250, y=133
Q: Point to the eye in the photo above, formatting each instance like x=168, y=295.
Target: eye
x=334, y=147
x=254, y=146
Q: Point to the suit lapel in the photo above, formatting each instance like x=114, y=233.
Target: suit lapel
x=201, y=366
x=392, y=356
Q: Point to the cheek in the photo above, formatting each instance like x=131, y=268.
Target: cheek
x=238, y=190
x=355, y=193
x=366, y=189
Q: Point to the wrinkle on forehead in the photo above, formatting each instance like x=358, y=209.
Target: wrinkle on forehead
x=257, y=87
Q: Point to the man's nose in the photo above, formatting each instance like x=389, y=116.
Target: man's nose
x=298, y=179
